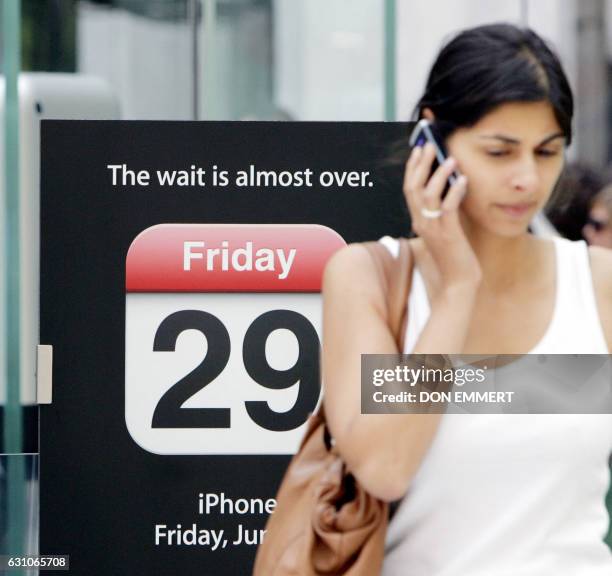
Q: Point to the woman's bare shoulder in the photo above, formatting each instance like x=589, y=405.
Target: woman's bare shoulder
x=353, y=269
x=601, y=266
x=347, y=259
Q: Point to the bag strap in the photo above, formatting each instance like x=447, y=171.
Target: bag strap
x=395, y=275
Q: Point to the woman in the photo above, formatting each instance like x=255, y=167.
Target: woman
x=577, y=187
x=482, y=494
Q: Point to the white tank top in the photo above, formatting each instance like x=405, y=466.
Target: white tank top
x=513, y=494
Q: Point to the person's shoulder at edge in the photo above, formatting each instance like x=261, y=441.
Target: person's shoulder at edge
x=601, y=266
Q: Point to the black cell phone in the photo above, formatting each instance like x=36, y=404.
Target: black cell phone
x=424, y=132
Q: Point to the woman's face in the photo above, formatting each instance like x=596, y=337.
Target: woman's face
x=598, y=231
x=512, y=158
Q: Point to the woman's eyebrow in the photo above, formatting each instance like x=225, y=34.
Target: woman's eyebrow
x=504, y=139
x=515, y=141
x=552, y=137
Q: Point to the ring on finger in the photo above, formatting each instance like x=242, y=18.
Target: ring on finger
x=430, y=214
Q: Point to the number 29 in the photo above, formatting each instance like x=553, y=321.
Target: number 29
x=169, y=412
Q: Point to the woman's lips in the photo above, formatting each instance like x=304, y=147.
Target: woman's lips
x=516, y=210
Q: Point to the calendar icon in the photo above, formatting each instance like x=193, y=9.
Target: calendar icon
x=223, y=325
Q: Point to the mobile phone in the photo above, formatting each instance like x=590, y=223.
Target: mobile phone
x=424, y=132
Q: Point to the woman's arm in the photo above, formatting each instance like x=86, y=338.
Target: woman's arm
x=382, y=451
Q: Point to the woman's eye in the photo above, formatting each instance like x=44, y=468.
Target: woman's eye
x=547, y=152
x=497, y=153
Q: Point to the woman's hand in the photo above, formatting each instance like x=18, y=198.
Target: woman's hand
x=443, y=236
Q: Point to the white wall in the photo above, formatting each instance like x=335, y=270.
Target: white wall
x=423, y=27
x=149, y=62
x=329, y=59
x=329, y=54
x=146, y=62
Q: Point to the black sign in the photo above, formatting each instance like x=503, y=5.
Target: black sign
x=165, y=442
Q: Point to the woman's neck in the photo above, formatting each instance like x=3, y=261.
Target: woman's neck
x=505, y=260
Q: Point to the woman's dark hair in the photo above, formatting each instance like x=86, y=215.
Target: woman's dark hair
x=481, y=68
x=489, y=65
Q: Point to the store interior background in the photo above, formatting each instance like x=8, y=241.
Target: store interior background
x=302, y=60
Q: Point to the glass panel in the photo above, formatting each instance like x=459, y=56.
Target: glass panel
x=609, y=503
x=48, y=36
x=14, y=471
x=19, y=507
x=235, y=50
x=292, y=59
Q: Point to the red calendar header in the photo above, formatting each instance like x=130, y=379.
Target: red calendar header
x=230, y=258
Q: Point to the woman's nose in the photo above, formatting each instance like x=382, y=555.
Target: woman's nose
x=526, y=178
